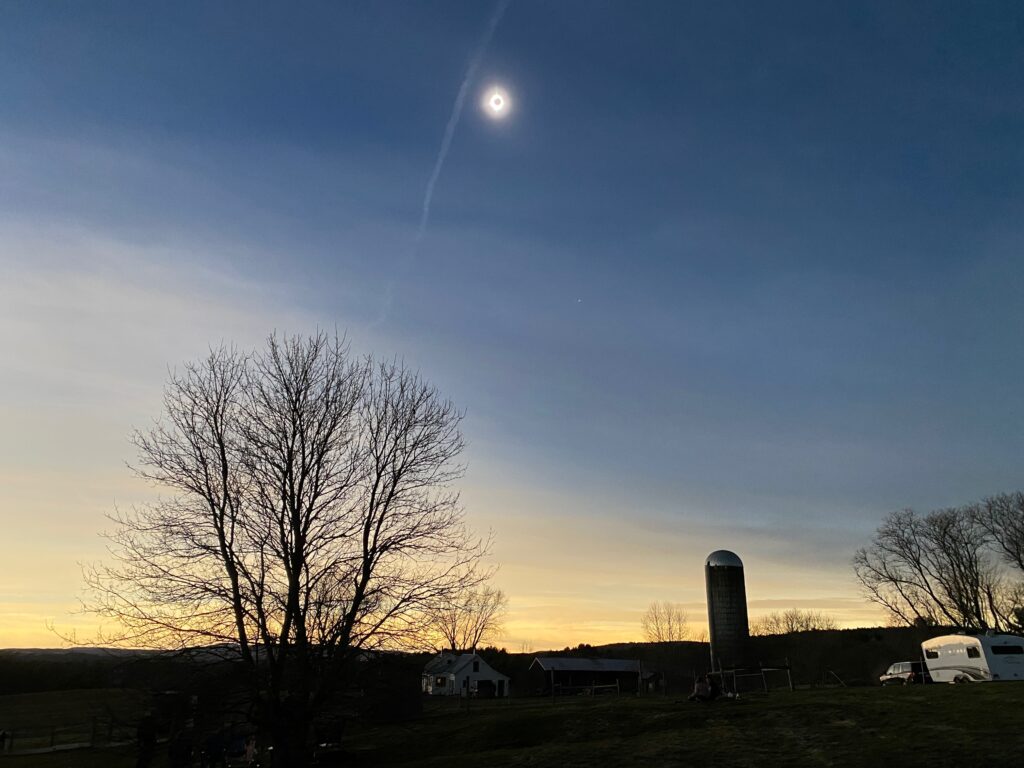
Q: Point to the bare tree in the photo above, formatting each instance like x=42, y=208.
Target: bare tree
x=792, y=620
x=934, y=569
x=664, y=622
x=311, y=517
x=469, y=620
x=1002, y=518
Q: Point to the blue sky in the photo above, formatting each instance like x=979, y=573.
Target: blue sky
x=729, y=275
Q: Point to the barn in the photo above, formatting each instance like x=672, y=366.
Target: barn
x=463, y=674
x=569, y=675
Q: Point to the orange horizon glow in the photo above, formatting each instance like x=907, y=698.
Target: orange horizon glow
x=579, y=564
x=593, y=594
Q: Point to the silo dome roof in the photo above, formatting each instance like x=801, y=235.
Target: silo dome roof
x=723, y=557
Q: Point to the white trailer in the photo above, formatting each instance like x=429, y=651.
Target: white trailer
x=966, y=658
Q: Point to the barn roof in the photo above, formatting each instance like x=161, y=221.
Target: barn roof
x=571, y=664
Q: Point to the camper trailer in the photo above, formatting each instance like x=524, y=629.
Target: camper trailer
x=974, y=658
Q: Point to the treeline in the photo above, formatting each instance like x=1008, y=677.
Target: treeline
x=29, y=673
x=32, y=671
x=792, y=621
x=959, y=566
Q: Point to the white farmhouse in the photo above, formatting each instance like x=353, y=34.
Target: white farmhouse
x=464, y=674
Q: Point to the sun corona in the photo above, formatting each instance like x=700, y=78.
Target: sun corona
x=496, y=103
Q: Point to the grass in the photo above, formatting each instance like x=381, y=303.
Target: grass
x=42, y=710
x=67, y=717
x=123, y=757
x=927, y=726
x=937, y=725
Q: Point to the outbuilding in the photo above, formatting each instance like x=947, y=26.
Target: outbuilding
x=463, y=674
x=571, y=675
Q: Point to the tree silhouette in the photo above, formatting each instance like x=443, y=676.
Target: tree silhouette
x=664, y=622
x=311, y=518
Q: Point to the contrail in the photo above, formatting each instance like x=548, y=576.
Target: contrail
x=453, y=119
x=442, y=154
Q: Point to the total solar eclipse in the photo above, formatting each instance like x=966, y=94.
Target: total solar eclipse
x=496, y=103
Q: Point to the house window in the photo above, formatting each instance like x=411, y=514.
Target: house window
x=931, y=654
x=1007, y=650
x=439, y=682
x=476, y=666
x=972, y=652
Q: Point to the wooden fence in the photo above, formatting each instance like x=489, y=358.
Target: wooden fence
x=95, y=732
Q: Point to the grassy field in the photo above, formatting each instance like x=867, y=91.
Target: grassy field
x=61, y=707
x=38, y=720
x=933, y=726
x=928, y=726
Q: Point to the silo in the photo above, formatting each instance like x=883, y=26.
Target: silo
x=727, y=610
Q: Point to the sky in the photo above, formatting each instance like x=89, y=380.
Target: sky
x=729, y=275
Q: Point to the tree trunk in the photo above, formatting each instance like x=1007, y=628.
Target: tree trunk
x=291, y=737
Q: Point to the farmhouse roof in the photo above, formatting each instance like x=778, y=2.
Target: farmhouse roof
x=571, y=664
x=442, y=663
x=450, y=663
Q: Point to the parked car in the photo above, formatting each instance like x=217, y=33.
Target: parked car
x=905, y=673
